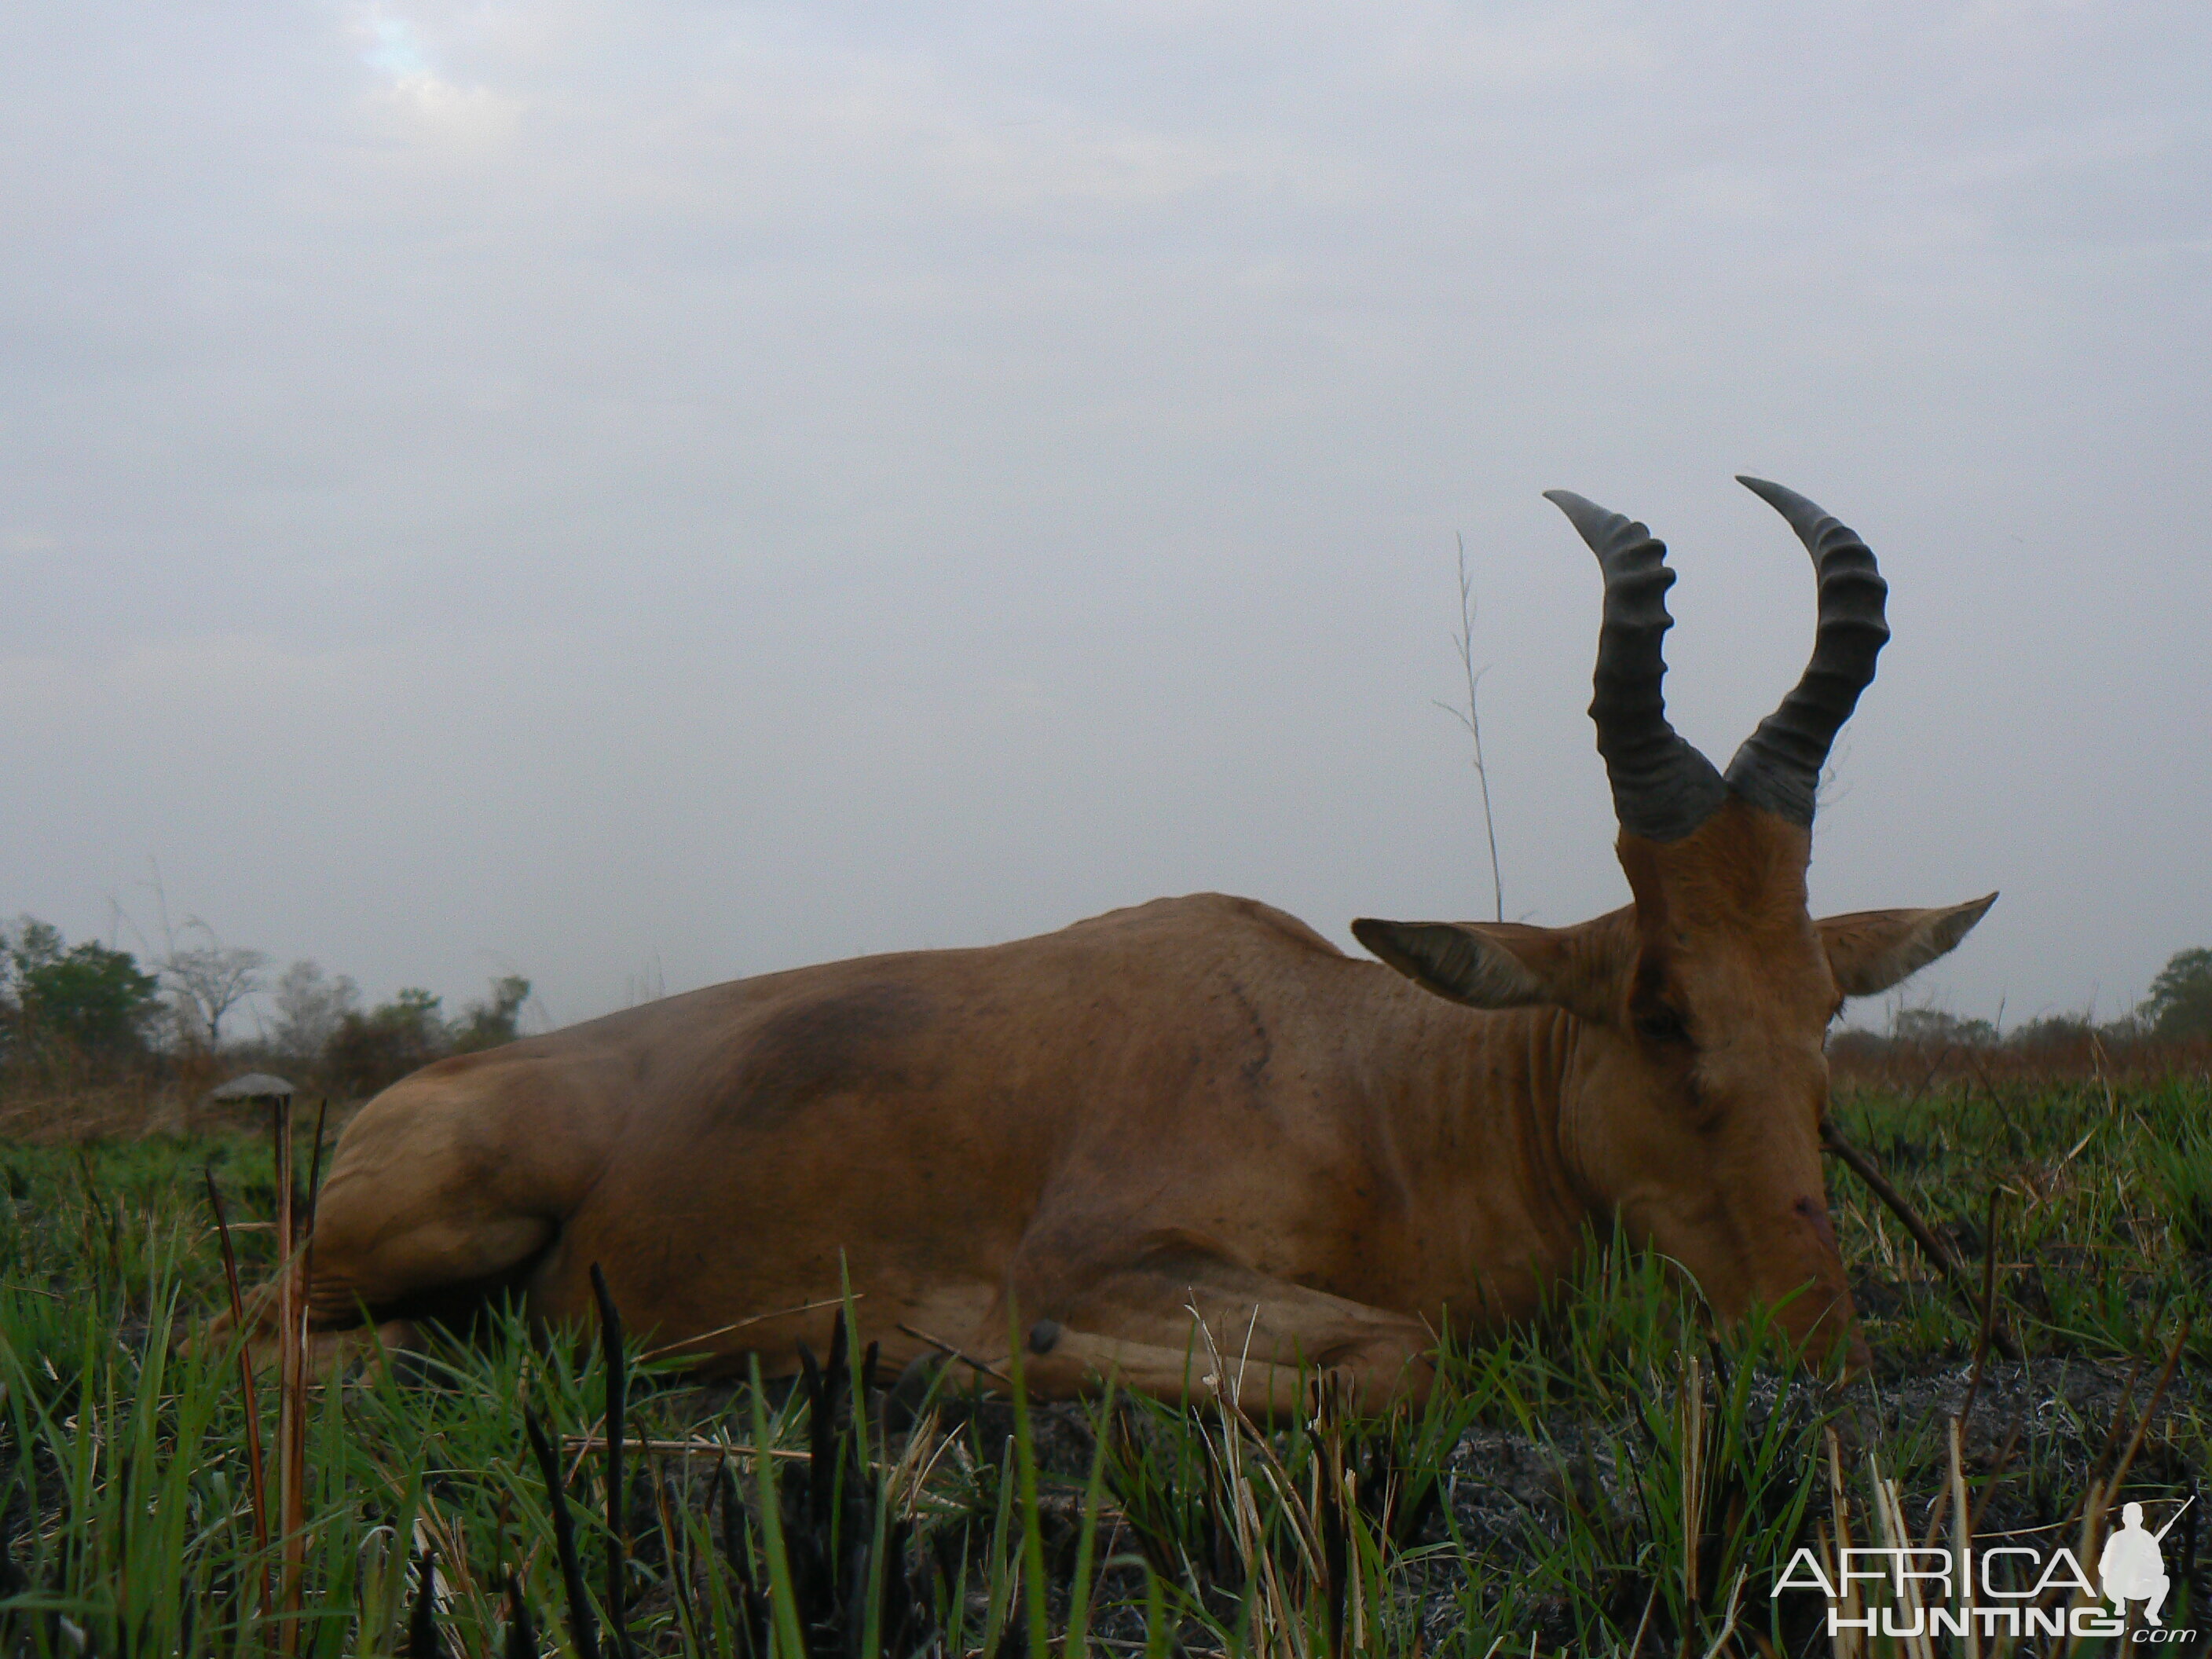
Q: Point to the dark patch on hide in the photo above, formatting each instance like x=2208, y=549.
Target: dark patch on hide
x=842, y=1043
x=1253, y=1068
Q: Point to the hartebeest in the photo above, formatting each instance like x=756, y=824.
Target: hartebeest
x=1200, y=1107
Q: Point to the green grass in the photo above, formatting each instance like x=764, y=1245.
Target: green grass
x=1620, y=1472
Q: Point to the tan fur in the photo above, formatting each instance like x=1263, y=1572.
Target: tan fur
x=1195, y=1107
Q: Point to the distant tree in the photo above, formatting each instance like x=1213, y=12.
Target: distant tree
x=369, y=1051
x=87, y=997
x=2180, y=1001
x=310, y=1004
x=25, y=936
x=1933, y=1028
x=24, y=942
x=208, y=981
x=2049, y=1031
x=27, y=942
x=489, y=1023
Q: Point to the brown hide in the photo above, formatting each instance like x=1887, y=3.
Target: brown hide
x=1196, y=1123
x=1199, y=1099
x=1195, y=1103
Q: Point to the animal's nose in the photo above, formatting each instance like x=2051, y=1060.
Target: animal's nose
x=1825, y=1319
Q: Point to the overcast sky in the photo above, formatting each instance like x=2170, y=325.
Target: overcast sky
x=639, y=494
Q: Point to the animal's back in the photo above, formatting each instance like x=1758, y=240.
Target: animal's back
x=748, y=1145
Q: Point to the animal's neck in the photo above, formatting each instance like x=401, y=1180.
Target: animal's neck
x=1497, y=1211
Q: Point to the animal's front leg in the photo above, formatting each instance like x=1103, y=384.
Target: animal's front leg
x=1189, y=1325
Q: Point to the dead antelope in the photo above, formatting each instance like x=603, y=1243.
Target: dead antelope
x=1199, y=1107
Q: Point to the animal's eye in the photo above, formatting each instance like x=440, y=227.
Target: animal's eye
x=1661, y=1026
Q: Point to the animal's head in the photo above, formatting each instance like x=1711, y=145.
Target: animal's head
x=1699, y=1080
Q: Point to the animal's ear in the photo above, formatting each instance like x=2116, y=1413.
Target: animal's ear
x=1870, y=951
x=1493, y=965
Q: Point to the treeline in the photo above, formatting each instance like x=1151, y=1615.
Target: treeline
x=89, y=1012
x=2170, y=1028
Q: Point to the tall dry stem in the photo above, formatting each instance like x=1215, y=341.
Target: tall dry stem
x=1471, y=717
x=291, y=1397
x=257, y=1482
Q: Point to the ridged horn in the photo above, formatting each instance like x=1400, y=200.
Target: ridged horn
x=1662, y=788
x=1778, y=767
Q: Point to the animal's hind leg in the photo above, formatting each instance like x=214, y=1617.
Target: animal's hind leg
x=433, y=1267
x=399, y=1244
x=418, y=1216
x=366, y=1267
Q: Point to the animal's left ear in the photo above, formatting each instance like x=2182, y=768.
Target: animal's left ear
x=1498, y=964
x=1870, y=951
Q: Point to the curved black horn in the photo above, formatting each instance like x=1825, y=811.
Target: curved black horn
x=1778, y=767
x=1662, y=789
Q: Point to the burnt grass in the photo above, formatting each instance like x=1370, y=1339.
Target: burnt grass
x=1624, y=1472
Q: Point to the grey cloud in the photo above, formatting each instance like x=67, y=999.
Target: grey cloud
x=568, y=485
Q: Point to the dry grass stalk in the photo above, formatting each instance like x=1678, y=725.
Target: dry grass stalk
x=1889, y=1519
x=1694, y=1473
x=740, y=1325
x=2097, y=1501
x=256, y=1478
x=1956, y=1489
x=718, y=1449
x=442, y=1550
x=951, y=1352
x=1923, y=1235
x=1735, y=1613
x=1962, y=1532
x=1845, y=1642
x=291, y=1398
x=1334, y=1499
x=1233, y=1449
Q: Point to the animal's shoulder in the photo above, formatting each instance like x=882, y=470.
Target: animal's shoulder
x=1208, y=916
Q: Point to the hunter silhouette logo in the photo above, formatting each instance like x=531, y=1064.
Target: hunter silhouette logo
x=2132, y=1567
x=2006, y=1588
